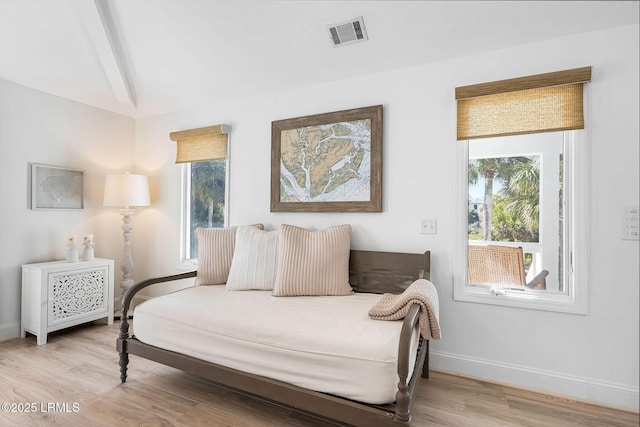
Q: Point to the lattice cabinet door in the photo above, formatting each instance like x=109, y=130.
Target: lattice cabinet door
x=59, y=294
x=75, y=294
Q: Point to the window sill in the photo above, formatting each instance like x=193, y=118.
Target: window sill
x=561, y=303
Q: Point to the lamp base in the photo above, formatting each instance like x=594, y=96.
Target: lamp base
x=127, y=262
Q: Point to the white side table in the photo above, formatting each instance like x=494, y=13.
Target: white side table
x=59, y=294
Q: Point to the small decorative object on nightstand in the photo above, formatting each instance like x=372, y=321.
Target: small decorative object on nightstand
x=72, y=249
x=87, y=254
x=56, y=295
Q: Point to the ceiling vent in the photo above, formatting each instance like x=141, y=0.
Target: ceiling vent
x=348, y=32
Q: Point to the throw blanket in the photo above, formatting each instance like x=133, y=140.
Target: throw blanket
x=421, y=292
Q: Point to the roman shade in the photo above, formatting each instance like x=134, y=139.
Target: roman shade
x=202, y=144
x=541, y=103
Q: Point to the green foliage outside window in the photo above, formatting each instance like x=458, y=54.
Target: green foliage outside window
x=513, y=213
x=208, y=181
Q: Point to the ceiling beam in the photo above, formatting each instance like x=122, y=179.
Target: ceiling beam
x=99, y=23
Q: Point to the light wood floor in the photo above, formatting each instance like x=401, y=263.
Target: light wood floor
x=78, y=370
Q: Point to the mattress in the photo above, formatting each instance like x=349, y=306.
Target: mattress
x=327, y=344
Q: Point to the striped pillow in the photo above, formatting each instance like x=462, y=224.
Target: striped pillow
x=215, y=252
x=254, y=260
x=313, y=262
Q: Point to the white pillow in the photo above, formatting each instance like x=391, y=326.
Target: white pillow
x=215, y=253
x=254, y=260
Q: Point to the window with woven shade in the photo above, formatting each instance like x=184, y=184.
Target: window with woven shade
x=203, y=156
x=522, y=192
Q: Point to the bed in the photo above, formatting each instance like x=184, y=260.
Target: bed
x=366, y=377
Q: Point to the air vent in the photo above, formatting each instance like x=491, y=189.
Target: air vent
x=348, y=32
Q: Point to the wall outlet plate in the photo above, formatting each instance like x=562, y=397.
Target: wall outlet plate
x=428, y=226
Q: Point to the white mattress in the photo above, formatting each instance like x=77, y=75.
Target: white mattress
x=327, y=344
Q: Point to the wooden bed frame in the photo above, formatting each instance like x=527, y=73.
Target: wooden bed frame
x=373, y=272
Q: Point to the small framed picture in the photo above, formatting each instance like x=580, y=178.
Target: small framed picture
x=55, y=187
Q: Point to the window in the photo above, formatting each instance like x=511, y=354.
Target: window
x=521, y=213
x=204, y=201
x=204, y=192
x=515, y=200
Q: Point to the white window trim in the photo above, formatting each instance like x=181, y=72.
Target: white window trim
x=576, y=300
x=185, y=208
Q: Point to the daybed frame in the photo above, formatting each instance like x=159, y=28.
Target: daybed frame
x=373, y=272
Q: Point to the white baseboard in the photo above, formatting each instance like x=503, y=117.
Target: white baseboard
x=585, y=389
x=9, y=331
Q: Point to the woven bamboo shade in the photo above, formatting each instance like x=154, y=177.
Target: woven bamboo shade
x=541, y=103
x=202, y=144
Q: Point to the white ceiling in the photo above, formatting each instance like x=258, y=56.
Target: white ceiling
x=148, y=57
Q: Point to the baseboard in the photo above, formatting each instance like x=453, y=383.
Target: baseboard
x=585, y=389
x=9, y=331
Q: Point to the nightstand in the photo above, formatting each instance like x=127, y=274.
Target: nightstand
x=60, y=294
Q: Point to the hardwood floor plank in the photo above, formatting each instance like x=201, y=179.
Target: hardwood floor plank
x=80, y=366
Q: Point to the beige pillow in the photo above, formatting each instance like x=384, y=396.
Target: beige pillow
x=215, y=252
x=254, y=260
x=313, y=262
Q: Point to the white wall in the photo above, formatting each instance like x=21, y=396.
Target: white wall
x=40, y=128
x=592, y=357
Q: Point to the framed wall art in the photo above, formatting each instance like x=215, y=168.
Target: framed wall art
x=55, y=187
x=328, y=162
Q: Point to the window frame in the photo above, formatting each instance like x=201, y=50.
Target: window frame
x=185, y=212
x=576, y=186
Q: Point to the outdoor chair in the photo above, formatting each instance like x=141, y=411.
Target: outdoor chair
x=501, y=266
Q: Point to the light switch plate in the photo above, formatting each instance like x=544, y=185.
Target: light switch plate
x=428, y=226
x=630, y=223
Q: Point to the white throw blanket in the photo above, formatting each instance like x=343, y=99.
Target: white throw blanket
x=421, y=292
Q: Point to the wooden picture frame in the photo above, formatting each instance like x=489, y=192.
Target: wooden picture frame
x=56, y=187
x=328, y=162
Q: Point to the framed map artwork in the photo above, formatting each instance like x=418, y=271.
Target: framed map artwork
x=328, y=162
x=54, y=187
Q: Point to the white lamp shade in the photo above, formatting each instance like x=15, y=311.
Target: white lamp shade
x=124, y=190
